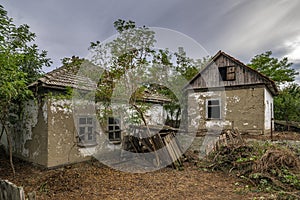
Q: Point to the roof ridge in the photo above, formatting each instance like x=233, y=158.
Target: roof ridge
x=219, y=53
x=250, y=68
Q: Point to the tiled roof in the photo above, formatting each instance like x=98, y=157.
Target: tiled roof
x=64, y=77
x=67, y=76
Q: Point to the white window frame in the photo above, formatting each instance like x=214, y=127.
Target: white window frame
x=86, y=131
x=207, y=109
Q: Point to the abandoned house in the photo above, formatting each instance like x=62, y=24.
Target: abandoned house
x=51, y=134
x=226, y=93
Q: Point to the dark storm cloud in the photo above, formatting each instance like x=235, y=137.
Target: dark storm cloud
x=241, y=28
x=65, y=28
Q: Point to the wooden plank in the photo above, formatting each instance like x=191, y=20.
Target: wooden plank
x=175, y=149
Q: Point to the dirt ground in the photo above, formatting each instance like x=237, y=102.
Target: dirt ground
x=92, y=180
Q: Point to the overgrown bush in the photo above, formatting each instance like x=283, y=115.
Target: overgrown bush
x=266, y=166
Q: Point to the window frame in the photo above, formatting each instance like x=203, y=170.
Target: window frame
x=88, y=137
x=114, y=129
x=212, y=106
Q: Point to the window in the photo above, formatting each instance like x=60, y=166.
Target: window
x=213, y=109
x=227, y=73
x=114, y=130
x=86, y=131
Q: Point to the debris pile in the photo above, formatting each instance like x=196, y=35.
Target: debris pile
x=266, y=166
x=162, y=142
x=214, y=141
x=229, y=137
x=277, y=159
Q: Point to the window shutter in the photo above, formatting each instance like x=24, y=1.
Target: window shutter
x=230, y=73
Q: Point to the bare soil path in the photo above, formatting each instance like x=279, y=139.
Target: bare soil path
x=92, y=180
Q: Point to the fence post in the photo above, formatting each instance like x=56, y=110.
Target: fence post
x=10, y=191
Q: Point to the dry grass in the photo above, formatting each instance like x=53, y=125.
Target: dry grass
x=265, y=166
x=277, y=159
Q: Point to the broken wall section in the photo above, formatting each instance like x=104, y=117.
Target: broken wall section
x=29, y=133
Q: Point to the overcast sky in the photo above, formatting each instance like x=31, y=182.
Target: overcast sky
x=242, y=29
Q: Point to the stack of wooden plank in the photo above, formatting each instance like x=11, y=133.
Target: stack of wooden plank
x=162, y=142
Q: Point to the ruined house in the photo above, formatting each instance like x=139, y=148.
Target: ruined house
x=226, y=93
x=50, y=134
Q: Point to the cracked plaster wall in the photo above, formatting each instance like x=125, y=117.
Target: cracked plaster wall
x=62, y=133
x=243, y=107
x=29, y=134
x=47, y=136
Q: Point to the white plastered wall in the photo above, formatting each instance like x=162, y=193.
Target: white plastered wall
x=269, y=108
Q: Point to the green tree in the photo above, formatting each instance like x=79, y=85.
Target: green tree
x=20, y=63
x=130, y=50
x=287, y=104
x=188, y=67
x=133, y=50
x=279, y=71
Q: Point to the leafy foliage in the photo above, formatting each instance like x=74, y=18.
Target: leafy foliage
x=188, y=67
x=279, y=71
x=287, y=104
x=130, y=49
x=132, y=54
x=20, y=63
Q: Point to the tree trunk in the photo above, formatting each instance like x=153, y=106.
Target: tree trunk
x=287, y=123
x=10, y=148
x=2, y=131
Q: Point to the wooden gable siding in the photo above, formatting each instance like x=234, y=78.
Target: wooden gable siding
x=210, y=76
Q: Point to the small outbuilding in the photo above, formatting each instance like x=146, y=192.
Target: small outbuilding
x=226, y=93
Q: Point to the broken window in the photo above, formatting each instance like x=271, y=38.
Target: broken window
x=114, y=130
x=227, y=73
x=213, y=109
x=86, y=131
